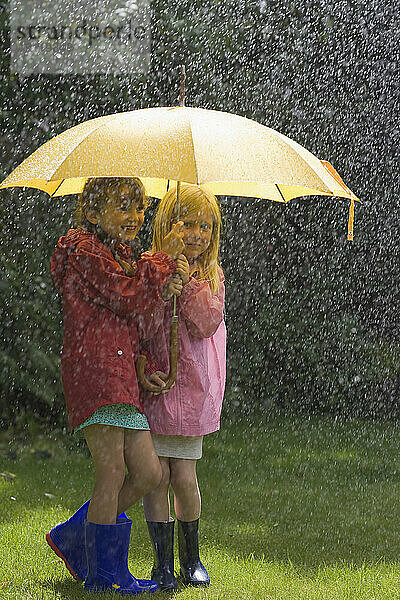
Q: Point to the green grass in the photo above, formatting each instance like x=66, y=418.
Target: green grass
x=292, y=509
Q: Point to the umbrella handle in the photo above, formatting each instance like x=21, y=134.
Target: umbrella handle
x=173, y=363
x=173, y=335
x=144, y=382
x=173, y=353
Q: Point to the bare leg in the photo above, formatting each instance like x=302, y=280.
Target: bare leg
x=144, y=471
x=186, y=489
x=106, y=445
x=156, y=503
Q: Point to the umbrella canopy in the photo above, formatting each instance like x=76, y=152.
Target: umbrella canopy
x=226, y=153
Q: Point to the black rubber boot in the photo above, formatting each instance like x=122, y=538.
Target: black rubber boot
x=162, y=537
x=193, y=572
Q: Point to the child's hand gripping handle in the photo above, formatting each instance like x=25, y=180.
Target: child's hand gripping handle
x=142, y=379
x=173, y=363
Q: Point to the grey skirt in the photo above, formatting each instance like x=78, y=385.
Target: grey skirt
x=178, y=446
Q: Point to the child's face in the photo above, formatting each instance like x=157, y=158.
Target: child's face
x=123, y=214
x=198, y=228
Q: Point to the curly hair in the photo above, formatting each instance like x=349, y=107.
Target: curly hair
x=95, y=196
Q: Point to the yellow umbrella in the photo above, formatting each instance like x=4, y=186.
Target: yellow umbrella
x=226, y=153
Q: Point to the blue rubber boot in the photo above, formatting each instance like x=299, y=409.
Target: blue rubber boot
x=162, y=537
x=193, y=572
x=107, y=558
x=67, y=540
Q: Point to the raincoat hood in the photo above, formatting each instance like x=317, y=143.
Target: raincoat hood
x=66, y=246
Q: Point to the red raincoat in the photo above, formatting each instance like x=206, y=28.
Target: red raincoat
x=102, y=309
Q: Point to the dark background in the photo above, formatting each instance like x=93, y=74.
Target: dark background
x=313, y=319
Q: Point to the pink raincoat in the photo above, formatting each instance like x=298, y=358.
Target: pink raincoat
x=193, y=406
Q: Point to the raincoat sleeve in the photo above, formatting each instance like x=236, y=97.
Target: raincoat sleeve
x=105, y=282
x=149, y=324
x=202, y=311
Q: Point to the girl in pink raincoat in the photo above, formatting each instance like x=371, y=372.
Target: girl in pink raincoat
x=181, y=417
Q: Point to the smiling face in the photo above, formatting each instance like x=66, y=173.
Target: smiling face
x=123, y=213
x=198, y=228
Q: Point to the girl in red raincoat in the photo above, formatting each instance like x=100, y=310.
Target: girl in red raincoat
x=106, y=296
x=179, y=418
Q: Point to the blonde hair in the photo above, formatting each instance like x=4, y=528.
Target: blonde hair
x=192, y=199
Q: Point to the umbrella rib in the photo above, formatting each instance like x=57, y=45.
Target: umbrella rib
x=194, y=152
x=288, y=142
x=57, y=188
x=79, y=143
x=282, y=196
